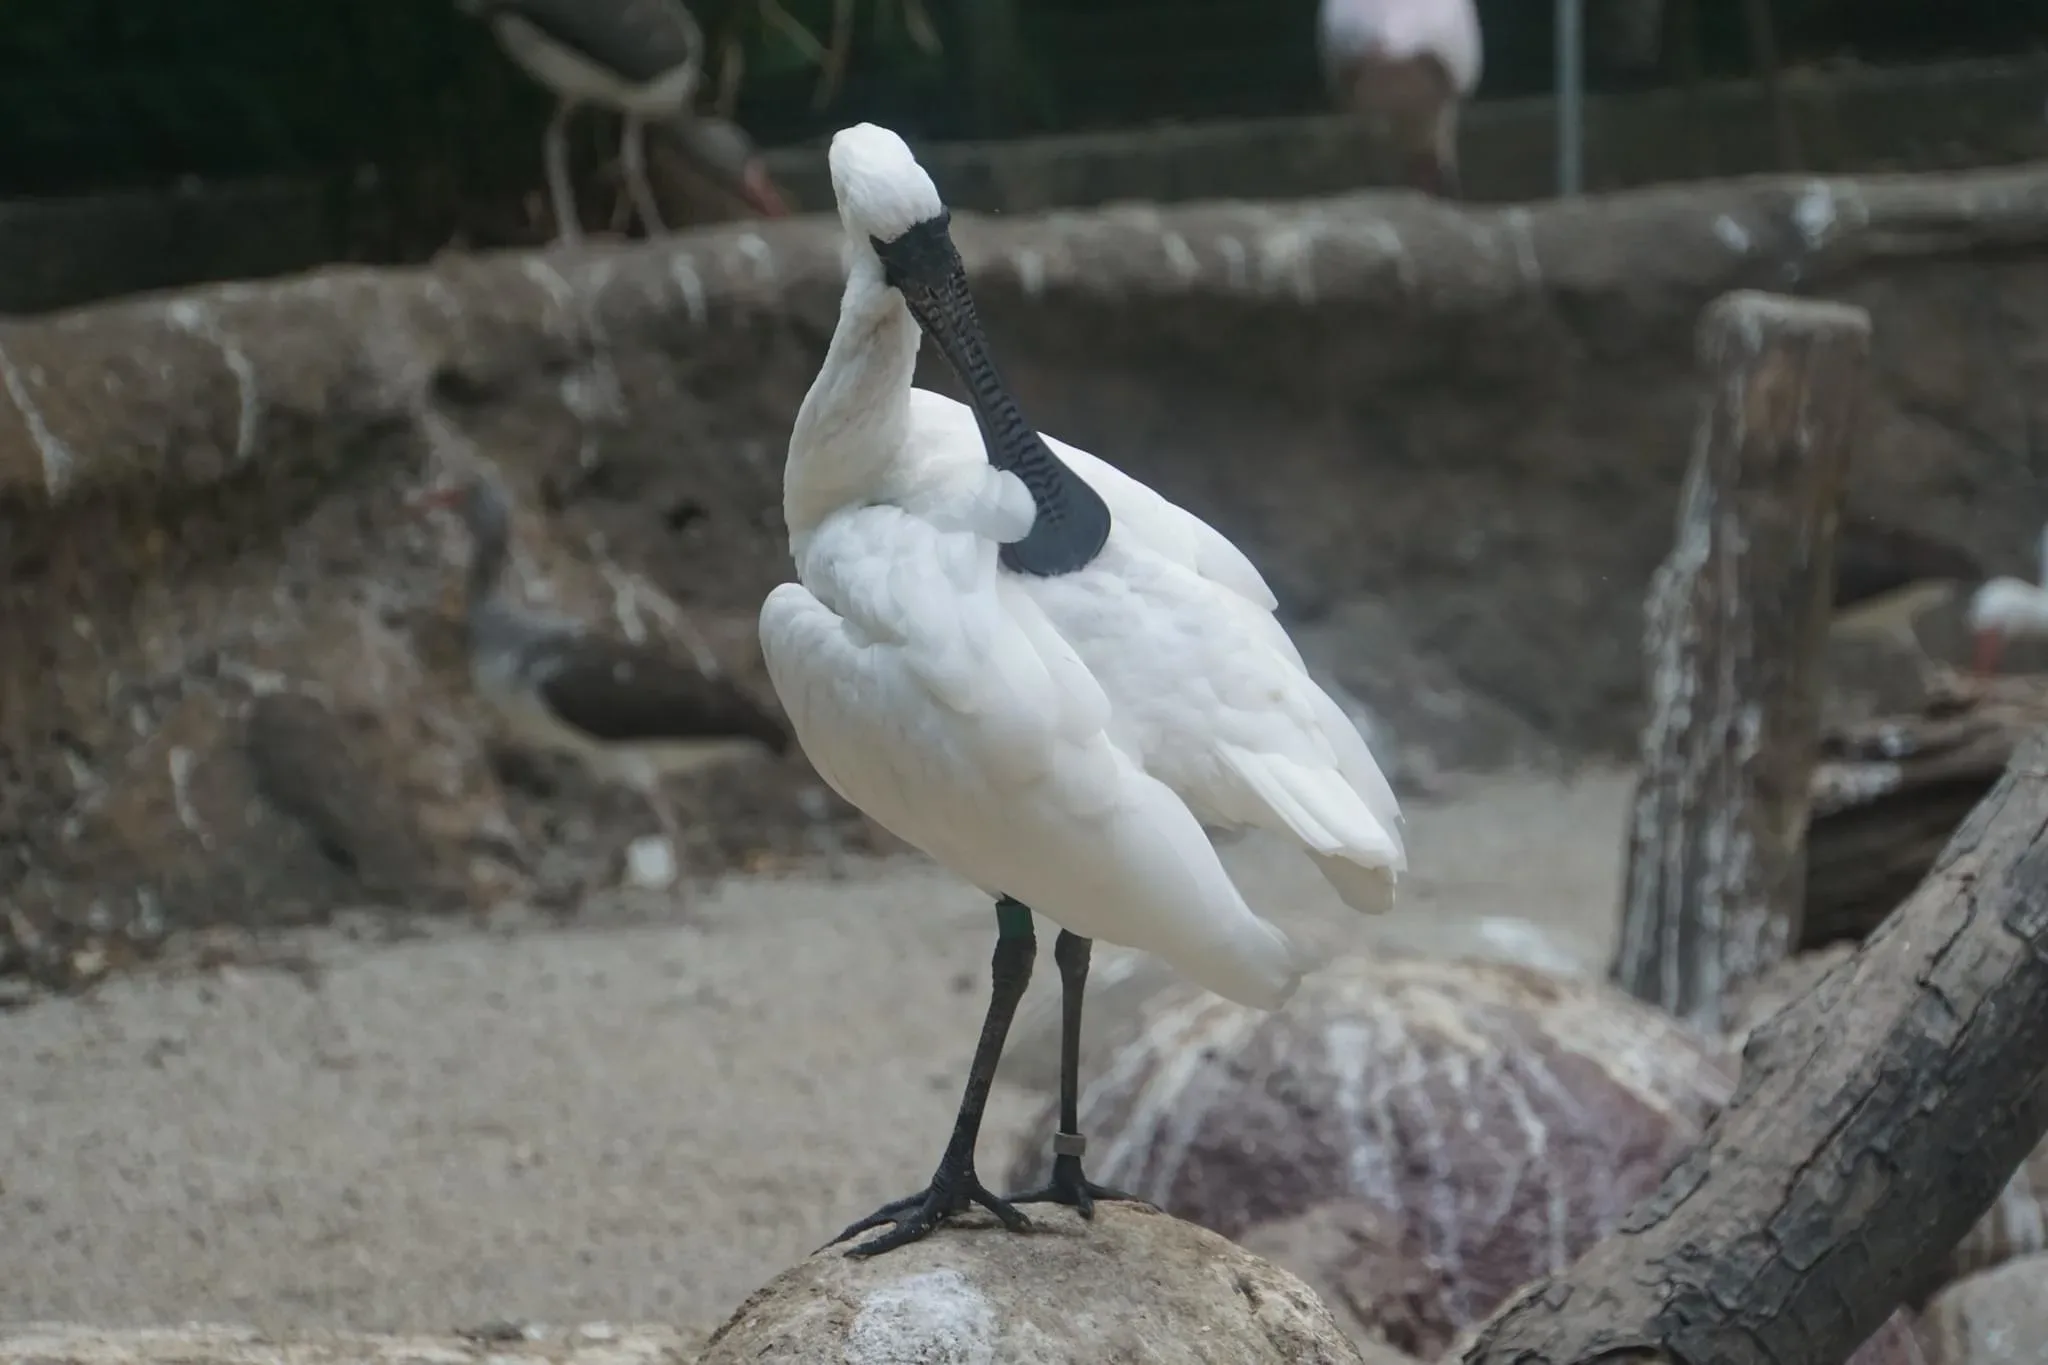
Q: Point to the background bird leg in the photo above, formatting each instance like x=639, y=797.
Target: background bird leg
x=1445, y=143
x=555, y=152
x=633, y=161
x=1068, y=1185
x=645, y=779
x=955, y=1186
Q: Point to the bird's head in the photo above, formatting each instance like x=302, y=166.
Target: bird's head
x=2000, y=610
x=723, y=148
x=881, y=190
x=892, y=211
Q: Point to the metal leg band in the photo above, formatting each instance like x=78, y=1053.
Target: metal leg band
x=1069, y=1144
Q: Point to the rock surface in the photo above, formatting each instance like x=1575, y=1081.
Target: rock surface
x=1779, y=987
x=1900, y=1341
x=1997, y=1317
x=1416, y=1139
x=1477, y=415
x=1122, y=982
x=1133, y=1284
x=197, y=1344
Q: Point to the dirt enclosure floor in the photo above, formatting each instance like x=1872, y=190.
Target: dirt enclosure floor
x=626, y=1121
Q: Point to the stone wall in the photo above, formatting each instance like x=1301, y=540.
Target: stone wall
x=1480, y=417
x=71, y=251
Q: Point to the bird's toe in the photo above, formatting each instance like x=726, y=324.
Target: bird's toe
x=917, y=1215
x=1071, y=1187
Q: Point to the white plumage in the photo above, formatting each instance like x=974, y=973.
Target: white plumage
x=2006, y=609
x=1396, y=30
x=1406, y=65
x=1061, y=740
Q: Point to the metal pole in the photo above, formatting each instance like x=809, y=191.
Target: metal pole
x=1571, y=89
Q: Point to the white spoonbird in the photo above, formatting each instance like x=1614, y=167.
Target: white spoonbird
x=1407, y=65
x=1037, y=670
x=2008, y=608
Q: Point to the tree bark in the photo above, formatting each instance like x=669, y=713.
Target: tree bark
x=1876, y=1120
x=1889, y=792
x=1737, y=619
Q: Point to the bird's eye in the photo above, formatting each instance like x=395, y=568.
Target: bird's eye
x=892, y=270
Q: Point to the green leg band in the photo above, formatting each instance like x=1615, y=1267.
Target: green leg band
x=1013, y=919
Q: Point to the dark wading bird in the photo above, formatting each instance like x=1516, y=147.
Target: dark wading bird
x=642, y=58
x=632, y=714
x=1039, y=671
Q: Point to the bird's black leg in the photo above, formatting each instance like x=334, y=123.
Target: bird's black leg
x=955, y=1187
x=561, y=189
x=1068, y=1184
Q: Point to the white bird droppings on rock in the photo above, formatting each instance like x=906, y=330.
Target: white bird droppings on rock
x=1132, y=1284
x=935, y=1317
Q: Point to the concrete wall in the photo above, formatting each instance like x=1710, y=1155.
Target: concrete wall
x=64, y=252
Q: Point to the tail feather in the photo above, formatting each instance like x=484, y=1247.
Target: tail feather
x=1259, y=965
x=1321, y=809
x=1176, y=900
x=1368, y=890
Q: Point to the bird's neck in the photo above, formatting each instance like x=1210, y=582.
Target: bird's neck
x=850, y=431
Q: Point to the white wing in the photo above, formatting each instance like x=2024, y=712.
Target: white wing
x=1208, y=690
x=941, y=426
x=934, y=695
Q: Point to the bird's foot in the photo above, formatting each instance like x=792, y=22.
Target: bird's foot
x=951, y=1192
x=1069, y=1186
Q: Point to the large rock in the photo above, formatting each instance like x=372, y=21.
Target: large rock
x=1479, y=415
x=1997, y=1317
x=1133, y=1284
x=2015, y=1227
x=37, y=1343
x=1417, y=1139
x=1123, y=982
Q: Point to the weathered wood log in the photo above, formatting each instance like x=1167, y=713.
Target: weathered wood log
x=1876, y=1120
x=1737, y=615
x=1889, y=792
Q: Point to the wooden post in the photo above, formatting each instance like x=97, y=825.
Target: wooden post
x=1736, y=619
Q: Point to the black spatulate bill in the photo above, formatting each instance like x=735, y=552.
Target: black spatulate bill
x=1072, y=524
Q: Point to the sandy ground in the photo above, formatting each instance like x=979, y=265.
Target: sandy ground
x=627, y=1122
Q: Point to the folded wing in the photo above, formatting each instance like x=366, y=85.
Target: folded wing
x=1210, y=694
x=933, y=694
